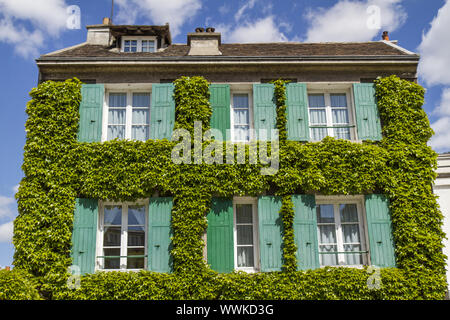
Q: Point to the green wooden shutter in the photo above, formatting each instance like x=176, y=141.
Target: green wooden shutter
x=84, y=234
x=270, y=233
x=297, y=112
x=159, y=233
x=220, y=104
x=91, y=110
x=381, y=243
x=305, y=231
x=162, y=117
x=367, y=115
x=219, y=235
x=264, y=108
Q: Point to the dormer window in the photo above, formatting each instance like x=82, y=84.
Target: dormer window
x=138, y=44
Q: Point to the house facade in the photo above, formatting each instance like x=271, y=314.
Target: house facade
x=129, y=76
x=442, y=190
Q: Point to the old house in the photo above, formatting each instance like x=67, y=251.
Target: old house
x=128, y=94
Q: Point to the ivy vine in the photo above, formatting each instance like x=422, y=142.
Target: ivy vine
x=58, y=169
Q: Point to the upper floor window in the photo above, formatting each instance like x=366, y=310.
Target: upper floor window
x=241, y=124
x=122, y=236
x=138, y=44
x=330, y=115
x=341, y=236
x=128, y=115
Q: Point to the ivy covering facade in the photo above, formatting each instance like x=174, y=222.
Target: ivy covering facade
x=59, y=169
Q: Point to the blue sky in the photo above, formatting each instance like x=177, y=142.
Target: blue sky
x=29, y=28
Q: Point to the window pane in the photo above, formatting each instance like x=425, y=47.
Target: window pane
x=117, y=100
x=111, y=263
x=349, y=212
x=140, y=133
x=148, y=46
x=325, y=213
x=245, y=257
x=113, y=215
x=140, y=116
x=136, y=236
x=350, y=233
x=244, y=213
x=244, y=234
x=116, y=116
x=241, y=133
x=135, y=263
x=141, y=100
x=116, y=132
x=327, y=234
x=342, y=133
x=240, y=100
x=317, y=117
x=240, y=116
x=111, y=236
x=136, y=215
x=318, y=133
x=328, y=259
x=338, y=100
x=340, y=116
x=316, y=100
x=354, y=258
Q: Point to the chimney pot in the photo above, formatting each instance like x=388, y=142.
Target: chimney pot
x=106, y=21
x=210, y=29
x=385, y=36
x=199, y=29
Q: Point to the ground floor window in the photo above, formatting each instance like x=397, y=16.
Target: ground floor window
x=122, y=236
x=341, y=232
x=245, y=234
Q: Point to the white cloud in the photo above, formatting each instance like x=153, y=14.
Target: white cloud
x=6, y=232
x=262, y=30
x=353, y=20
x=5, y=207
x=434, y=64
x=49, y=15
x=224, y=9
x=440, y=142
x=248, y=5
x=175, y=12
x=443, y=108
x=25, y=23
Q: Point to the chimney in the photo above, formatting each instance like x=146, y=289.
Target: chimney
x=385, y=36
x=7, y=268
x=204, y=43
x=106, y=21
x=99, y=33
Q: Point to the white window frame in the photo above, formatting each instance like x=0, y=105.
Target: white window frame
x=250, y=114
x=362, y=222
x=256, y=255
x=99, y=264
x=327, y=90
x=129, y=107
x=139, y=42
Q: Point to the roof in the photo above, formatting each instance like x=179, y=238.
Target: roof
x=330, y=50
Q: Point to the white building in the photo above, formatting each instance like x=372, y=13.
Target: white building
x=442, y=189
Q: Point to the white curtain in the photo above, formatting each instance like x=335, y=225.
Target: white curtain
x=350, y=233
